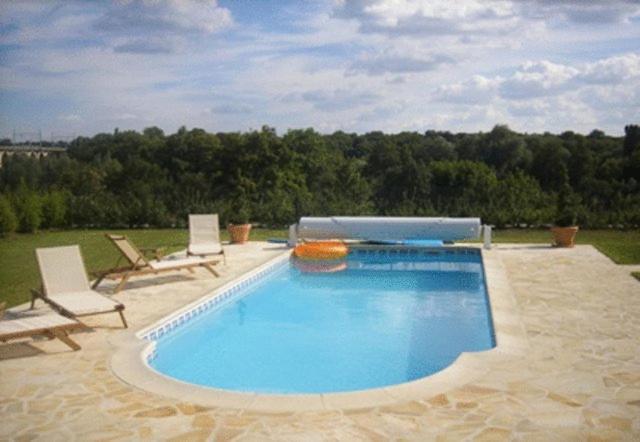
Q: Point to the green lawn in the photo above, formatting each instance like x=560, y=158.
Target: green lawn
x=19, y=273
x=636, y=275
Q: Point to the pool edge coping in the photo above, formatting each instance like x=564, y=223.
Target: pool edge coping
x=129, y=362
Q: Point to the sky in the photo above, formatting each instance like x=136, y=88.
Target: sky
x=78, y=68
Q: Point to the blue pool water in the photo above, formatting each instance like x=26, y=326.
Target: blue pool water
x=387, y=318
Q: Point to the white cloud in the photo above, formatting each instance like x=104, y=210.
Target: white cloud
x=338, y=99
x=161, y=17
x=612, y=70
x=476, y=16
x=427, y=16
x=581, y=12
x=398, y=64
x=544, y=94
x=478, y=90
x=231, y=108
x=363, y=65
x=542, y=78
x=535, y=79
x=140, y=46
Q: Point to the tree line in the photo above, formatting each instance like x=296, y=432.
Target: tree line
x=132, y=179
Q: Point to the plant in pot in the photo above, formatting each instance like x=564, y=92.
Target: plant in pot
x=239, y=226
x=565, y=229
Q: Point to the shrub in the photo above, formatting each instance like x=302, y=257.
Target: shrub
x=8, y=219
x=568, y=207
x=54, y=209
x=28, y=209
x=30, y=214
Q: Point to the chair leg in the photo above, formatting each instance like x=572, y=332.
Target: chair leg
x=122, y=282
x=34, y=295
x=98, y=281
x=211, y=269
x=124, y=321
x=66, y=339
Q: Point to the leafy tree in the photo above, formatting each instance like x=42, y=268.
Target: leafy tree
x=504, y=149
x=520, y=200
x=54, y=209
x=126, y=178
x=549, y=164
x=8, y=219
x=28, y=209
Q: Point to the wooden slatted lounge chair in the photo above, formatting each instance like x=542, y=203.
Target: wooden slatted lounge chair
x=140, y=265
x=204, y=236
x=51, y=325
x=65, y=286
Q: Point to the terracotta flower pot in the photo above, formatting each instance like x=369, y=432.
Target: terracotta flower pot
x=239, y=233
x=564, y=236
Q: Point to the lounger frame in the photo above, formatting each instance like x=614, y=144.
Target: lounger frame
x=139, y=264
x=60, y=332
x=43, y=294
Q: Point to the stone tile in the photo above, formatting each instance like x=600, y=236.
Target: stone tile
x=189, y=409
x=191, y=436
x=578, y=380
x=157, y=412
x=203, y=421
x=492, y=434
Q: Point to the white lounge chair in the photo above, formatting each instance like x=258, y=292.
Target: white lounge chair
x=65, y=285
x=50, y=325
x=204, y=236
x=140, y=265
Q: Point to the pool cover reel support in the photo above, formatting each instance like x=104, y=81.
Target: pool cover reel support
x=486, y=233
x=293, y=235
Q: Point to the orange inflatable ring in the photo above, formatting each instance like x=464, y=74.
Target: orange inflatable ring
x=307, y=266
x=321, y=250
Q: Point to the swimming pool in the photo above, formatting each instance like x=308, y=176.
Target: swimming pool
x=391, y=316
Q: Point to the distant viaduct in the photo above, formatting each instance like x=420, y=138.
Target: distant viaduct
x=30, y=150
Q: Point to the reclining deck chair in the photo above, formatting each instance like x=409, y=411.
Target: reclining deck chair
x=51, y=325
x=204, y=236
x=140, y=265
x=65, y=286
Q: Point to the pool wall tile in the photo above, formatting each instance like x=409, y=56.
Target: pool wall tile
x=177, y=320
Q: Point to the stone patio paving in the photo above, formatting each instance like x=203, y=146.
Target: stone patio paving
x=580, y=381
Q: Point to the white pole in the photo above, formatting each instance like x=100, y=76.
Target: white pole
x=486, y=230
x=293, y=235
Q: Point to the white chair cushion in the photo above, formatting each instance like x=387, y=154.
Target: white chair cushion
x=19, y=325
x=171, y=263
x=82, y=303
x=209, y=248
